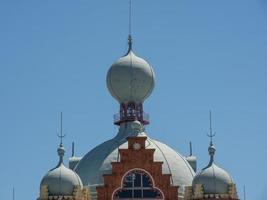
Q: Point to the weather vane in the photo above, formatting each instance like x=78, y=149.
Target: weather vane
x=61, y=136
x=211, y=133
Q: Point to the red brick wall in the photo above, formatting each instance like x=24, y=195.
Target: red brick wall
x=142, y=159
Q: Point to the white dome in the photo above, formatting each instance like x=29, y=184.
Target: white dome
x=98, y=161
x=130, y=79
x=61, y=180
x=214, y=179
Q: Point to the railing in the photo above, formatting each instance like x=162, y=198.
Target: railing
x=120, y=118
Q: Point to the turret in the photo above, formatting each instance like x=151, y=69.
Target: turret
x=61, y=182
x=212, y=182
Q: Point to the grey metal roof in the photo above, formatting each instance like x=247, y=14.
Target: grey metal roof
x=214, y=179
x=130, y=79
x=61, y=180
x=98, y=161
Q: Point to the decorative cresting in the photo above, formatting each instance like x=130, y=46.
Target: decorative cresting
x=61, y=182
x=130, y=80
x=137, y=176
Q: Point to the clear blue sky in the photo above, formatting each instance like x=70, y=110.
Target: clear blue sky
x=207, y=54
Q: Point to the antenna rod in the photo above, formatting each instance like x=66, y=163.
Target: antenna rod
x=61, y=135
x=130, y=17
x=244, y=192
x=13, y=193
x=191, y=151
x=73, y=153
x=210, y=124
x=61, y=124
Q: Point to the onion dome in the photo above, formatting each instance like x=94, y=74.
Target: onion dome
x=214, y=179
x=61, y=180
x=131, y=78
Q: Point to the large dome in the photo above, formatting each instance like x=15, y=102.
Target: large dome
x=98, y=161
x=130, y=79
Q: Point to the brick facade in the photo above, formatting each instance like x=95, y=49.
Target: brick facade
x=136, y=157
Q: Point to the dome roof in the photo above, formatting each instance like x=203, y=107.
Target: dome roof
x=130, y=79
x=98, y=161
x=214, y=179
x=61, y=180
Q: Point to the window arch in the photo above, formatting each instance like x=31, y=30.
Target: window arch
x=137, y=184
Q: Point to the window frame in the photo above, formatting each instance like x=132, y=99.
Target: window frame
x=132, y=188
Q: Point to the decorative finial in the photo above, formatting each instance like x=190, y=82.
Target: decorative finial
x=61, y=136
x=212, y=149
x=211, y=133
x=130, y=43
x=61, y=150
x=191, y=151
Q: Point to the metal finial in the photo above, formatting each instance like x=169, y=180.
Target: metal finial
x=61, y=136
x=72, y=150
x=130, y=43
x=211, y=149
x=211, y=133
x=191, y=151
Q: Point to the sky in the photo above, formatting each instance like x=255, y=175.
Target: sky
x=207, y=55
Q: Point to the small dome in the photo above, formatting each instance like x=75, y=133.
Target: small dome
x=214, y=179
x=130, y=79
x=137, y=126
x=61, y=180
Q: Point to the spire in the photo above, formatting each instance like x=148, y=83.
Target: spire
x=211, y=149
x=61, y=149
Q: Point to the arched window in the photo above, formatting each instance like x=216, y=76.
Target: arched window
x=137, y=184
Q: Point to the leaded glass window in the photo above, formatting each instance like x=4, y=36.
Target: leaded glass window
x=137, y=184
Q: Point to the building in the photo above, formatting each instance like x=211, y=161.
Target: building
x=132, y=165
